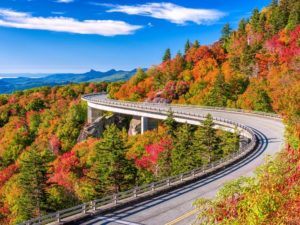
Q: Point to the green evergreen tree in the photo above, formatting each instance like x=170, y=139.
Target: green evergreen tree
x=226, y=32
x=274, y=3
x=196, y=44
x=33, y=181
x=242, y=26
x=179, y=54
x=263, y=101
x=187, y=46
x=165, y=162
x=277, y=19
x=285, y=6
x=262, y=22
x=167, y=55
x=225, y=38
x=254, y=21
x=171, y=124
x=294, y=17
x=206, y=141
x=112, y=171
x=230, y=142
x=219, y=93
x=183, y=155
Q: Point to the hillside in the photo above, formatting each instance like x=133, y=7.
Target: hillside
x=9, y=85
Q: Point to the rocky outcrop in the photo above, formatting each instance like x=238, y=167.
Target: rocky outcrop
x=96, y=128
x=158, y=98
x=134, y=126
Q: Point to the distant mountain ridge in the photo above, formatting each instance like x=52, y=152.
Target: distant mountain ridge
x=9, y=85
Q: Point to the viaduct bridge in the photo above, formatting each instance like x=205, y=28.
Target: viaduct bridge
x=170, y=201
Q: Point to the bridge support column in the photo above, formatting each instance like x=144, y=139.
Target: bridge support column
x=93, y=114
x=144, y=124
x=148, y=124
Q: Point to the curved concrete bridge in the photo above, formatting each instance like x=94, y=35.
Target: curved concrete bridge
x=169, y=201
x=175, y=207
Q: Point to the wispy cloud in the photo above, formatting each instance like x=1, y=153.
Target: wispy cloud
x=10, y=18
x=57, y=13
x=64, y=1
x=169, y=11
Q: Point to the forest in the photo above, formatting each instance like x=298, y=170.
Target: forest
x=256, y=67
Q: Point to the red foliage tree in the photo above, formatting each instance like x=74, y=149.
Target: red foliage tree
x=55, y=144
x=150, y=160
x=7, y=173
x=63, y=168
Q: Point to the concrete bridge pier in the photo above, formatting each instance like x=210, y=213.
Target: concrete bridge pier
x=144, y=124
x=148, y=124
x=93, y=114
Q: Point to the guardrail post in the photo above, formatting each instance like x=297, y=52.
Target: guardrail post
x=193, y=173
x=152, y=187
x=58, y=217
x=93, y=203
x=181, y=177
x=116, y=199
x=135, y=192
x=84, y=208
x=168, y=182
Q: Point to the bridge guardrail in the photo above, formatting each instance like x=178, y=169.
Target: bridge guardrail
x=113, y=200
x=244, y=111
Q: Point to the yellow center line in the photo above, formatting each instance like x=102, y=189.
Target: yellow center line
x=188, y=214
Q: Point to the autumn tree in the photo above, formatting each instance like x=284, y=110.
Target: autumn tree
x=69, y=128
x=139, y=76
x=256, y=97
x=35, y=105
x=4, y=117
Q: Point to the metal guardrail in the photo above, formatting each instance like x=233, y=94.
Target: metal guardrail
x=144, y=105
x=148, y=189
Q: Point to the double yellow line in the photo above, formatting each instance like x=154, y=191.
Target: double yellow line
x=188, y=214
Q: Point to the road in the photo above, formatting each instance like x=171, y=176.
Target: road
x=176, y=207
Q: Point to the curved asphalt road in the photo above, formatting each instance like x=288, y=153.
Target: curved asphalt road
x=176, y=207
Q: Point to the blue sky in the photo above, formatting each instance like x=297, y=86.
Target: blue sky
x=49, y=36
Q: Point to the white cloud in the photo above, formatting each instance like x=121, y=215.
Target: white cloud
x=10, y=18
x=65, y=1
x=169, y=11
x=57, y=13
